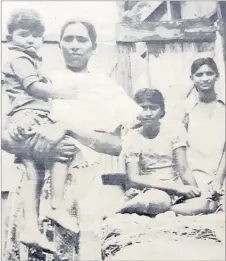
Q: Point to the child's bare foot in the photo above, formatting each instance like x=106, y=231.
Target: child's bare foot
x=62, y=217
x=38, y=240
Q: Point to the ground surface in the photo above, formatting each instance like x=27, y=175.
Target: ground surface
x=133, y=237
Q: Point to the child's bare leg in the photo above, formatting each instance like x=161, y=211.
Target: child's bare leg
x=59, y=172
x=151, y=202
x=195, y=206
x=59, y=213
x=32, y=192
x=32, y=187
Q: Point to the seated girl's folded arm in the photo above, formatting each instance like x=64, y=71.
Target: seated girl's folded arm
x=183, y=168
x=133, y=171
x=145, y=181
x=141, y=182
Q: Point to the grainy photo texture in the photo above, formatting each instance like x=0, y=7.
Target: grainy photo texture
x=113, y=130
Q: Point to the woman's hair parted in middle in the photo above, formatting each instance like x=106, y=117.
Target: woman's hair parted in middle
x=204, y=61
x=89, y=26
x=152, y=95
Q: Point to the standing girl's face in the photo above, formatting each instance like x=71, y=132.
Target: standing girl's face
x=204, y=78
x=76, y=46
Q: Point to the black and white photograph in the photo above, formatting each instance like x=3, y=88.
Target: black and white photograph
x=113, y=130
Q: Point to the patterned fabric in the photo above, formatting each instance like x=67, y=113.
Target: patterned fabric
x=155, y=156
x=26, y=118
x=100, y=105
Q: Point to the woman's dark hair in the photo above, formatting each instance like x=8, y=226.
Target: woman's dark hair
x=89, y=26
x=151, y=95
x=27, y=19
x=204, y=61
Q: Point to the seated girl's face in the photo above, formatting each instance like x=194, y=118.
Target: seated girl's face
x=150, y=114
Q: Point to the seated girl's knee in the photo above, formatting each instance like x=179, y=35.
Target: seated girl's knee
x=159, y=201
x=209, y=206
x=150, y=202
x=213, y=206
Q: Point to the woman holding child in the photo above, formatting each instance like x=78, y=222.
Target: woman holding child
x=33, y=134
x=98, y=108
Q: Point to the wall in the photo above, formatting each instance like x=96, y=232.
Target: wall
x=103, y=59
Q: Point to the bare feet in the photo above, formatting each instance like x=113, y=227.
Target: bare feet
x=64, y=219
x=37, y=240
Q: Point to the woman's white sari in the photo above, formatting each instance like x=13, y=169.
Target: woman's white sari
x=101, y=105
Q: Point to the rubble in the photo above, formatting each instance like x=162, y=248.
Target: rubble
x=134, y=237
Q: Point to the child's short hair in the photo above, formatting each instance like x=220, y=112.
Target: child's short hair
x=89, y=26
x=26, y=19
x=151, y=95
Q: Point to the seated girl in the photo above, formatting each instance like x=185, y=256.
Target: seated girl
x=159, y=178
x=203, y=115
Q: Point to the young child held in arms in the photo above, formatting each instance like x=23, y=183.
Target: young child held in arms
x=30, y=94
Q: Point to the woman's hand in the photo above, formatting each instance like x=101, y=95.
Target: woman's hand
x=19, y=131
x=45, y=137
x=188, y=191
x=64, y=151
x=16, y=133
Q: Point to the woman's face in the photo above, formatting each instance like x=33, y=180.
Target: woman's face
x=150, y=114
x=76, y=46
x=204, y=78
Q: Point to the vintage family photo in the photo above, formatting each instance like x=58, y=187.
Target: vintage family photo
x=113, y=130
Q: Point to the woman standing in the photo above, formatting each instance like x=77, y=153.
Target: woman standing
x=78, y=42
x=100, y=106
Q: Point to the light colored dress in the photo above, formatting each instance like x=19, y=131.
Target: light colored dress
x=100, y=106
x=205, y=123
x=155, y=156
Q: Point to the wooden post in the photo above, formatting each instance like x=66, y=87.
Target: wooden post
x=221, y=11
x=123, y=73
x=175, y=8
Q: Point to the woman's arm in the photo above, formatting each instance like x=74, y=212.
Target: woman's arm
x=8, y=144
x=102, y=142
x=63, y=151
x=42, y=90
x=183, y=168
